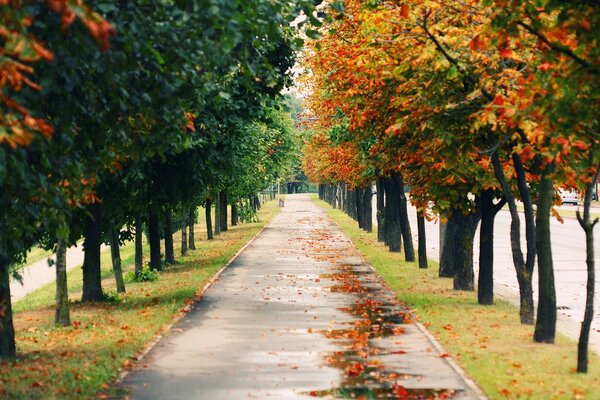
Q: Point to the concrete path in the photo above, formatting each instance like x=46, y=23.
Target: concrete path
x=298, y=314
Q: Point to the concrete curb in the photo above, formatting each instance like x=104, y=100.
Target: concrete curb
x=434, y=342
x=440, y=349
x=181, y=314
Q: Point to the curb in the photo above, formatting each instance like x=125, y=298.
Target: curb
x=450, y=361
x=469, y=383
x=182, y=313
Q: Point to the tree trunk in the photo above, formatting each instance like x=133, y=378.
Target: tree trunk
x=217, y=227
x=380, y=210
x=62, y=316
x=115, y=254
x=258, y=205
x=184, y=239
x=409, y=249
x=169, y=247
x=393, y=232
x=223, y=212
x=7, y=331
x=359, y=207
x=422, y=240
x=523, y=269
x=192, y=228
x=367, y=208
x=92, y=277
x=448, y=237
x=443, y=227
x=485, y=287
x=208, y=216
x=139, y=260
x=234, y=215
x=464, y=277
x=545, y=326
x=588, y=316
x=457, y=258
x=154, y=239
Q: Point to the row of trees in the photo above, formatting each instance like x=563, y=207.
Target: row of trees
x=105, y=125
x=474, y=104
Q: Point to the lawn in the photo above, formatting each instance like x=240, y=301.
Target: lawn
x=495, y=350
x=81, y=361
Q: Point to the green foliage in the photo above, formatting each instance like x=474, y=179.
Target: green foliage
x=246, y=213
x=145, y=275
x=113, y=298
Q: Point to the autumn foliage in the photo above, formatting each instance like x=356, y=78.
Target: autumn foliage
x=21, y=51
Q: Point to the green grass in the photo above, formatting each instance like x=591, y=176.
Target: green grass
x=495, y=350
x=36, y=254
x=81, y=361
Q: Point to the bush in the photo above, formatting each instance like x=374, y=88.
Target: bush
x=146, y=275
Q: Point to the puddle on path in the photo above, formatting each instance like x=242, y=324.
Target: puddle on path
x=376, y=315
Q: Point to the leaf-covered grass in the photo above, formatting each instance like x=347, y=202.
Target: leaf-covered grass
x=495, y=350
x=79, y=362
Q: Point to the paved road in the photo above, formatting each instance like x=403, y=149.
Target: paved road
x=568, y=250
x=297, y=314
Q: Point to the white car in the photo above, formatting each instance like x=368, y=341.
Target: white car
x=569, y=197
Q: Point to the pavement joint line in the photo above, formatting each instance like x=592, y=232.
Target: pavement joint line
x=182, y=313
x=434, y=342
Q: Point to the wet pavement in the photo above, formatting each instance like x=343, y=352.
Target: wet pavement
x=298, y=314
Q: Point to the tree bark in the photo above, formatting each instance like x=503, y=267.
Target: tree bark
x=588, y=227
x=367, y=208
x=217, y=225
x=8, y=348
x=485, y=287
x=443, y=228
x=154, y=239
x=169, y=247
x=545, y=326
x=223, y=212
x=92, y=277
x=208, y=216
x=380, y=210
x=139, y=256
x=258, y=205
x=192, y=228
x=523, y=269
x=464, y=277
x=115, y=254
x=422, y=240
x=62, y=315
x=457, y=257
x=393, y=232
x=359, y=208
x=184, y=239
x=409, y=249
x=234, y=215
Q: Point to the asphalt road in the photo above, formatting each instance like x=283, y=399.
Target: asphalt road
x=568, y=250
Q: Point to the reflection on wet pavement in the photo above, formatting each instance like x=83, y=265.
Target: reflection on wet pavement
x=298, y=314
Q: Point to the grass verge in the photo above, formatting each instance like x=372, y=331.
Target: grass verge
x=494, y=349
x=80, y=362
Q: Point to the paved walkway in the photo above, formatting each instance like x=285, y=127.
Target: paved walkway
x=298, y=314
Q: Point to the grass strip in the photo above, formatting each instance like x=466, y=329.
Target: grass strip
x=80, y=362
x=488, y=342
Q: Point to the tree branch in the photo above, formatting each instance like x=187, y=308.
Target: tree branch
x=560, y=49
